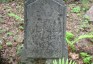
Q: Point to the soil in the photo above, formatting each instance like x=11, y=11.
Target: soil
x=11, y=30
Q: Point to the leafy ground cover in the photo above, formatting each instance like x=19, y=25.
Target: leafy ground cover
x=79, y=31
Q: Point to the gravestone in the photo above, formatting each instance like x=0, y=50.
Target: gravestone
x=45, y=26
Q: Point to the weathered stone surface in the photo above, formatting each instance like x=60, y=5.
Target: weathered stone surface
x=90, y=13
x=45, y=29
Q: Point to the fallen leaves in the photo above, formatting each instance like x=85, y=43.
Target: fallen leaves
x=74, y=56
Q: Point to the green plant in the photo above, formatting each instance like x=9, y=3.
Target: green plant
x=85, y=20
x=19, y=49
x=2, y=31
x=72, y=42
x=62, y=61
x=21, y=27
x=9, y=33
x=15, y=16
x=9, y=44
x=84, y=4
x=82, y=37
x=86, y=17
x=0, y=46
x=69, y=35
x=86, y=57
x=76, y=9
x=3, y=1
x=83, y=54
x=87, y=60
x=65, y=0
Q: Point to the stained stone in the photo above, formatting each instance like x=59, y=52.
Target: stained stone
x=45, y=29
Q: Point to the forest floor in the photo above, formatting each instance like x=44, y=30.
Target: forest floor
x=12, y=32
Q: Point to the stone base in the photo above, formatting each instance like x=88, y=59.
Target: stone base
x=26, y=60
x=37, y=61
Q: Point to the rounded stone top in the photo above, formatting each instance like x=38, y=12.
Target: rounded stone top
x=31, y=1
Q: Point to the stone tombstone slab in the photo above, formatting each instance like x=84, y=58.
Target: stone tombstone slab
x=45, y=29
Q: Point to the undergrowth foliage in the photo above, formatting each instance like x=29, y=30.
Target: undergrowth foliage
x=86, y=57
x=71, y=41
x=62, y=61
x=15, y=16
